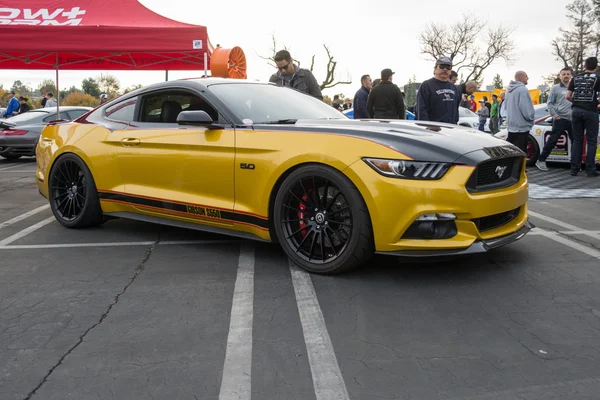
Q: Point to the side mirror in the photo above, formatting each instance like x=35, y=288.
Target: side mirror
x=199, y=118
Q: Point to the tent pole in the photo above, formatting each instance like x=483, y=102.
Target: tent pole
x=205, y=62
x=57, y=90
x=166, y=75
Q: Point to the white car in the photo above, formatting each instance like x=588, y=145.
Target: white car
x=538, y=136
x=470, y=119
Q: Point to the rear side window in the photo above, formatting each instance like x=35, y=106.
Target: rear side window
x=76, y=113
x=63, y=115
x=123, y=111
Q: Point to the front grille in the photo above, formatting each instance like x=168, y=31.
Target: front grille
x=495, y=174
x=495, y=221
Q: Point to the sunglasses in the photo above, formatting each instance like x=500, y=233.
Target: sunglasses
x=445, y=66
x=284, y=67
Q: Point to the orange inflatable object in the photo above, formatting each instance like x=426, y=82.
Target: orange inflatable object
x=228, y=63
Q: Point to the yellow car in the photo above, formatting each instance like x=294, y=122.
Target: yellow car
x=263, y=162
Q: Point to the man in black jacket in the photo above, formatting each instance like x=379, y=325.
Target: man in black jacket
x=385, y=100
x=438, y=99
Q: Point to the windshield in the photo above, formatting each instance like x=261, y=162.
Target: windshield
x=28, y=116
x=269, y=103
x=540, y=110
x=465, y=112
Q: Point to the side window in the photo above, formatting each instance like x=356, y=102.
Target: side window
x=74, y=114
x=123, y=111
x=63, y=115
x=165, y=106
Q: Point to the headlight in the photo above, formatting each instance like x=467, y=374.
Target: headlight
x=408, y=169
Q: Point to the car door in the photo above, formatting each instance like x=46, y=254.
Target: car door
x=179, y=171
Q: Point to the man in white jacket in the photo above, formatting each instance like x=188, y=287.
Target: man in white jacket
x=51, y=101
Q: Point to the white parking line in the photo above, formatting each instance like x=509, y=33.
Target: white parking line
x=574, y=245
x=236, y=383
x=11, y=167
x=111, y=244
x=24, y=216
x=327, y=378
x=564, y=224
x=26, y=231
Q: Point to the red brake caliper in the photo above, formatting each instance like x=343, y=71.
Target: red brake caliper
x=301, y=215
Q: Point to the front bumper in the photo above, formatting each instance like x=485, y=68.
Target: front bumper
x=480, y=246
x=395, y=204
x=17, y=145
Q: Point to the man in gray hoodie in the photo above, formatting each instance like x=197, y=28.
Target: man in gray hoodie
x=560, y=109
x=519, y=111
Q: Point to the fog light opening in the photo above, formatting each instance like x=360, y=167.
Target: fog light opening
x=432, y=226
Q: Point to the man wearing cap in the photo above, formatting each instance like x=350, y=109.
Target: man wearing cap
x=438, y=98
x=385, y=100
x=12, y=106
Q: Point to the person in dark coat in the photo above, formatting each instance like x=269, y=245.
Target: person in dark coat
x=290, y=75
x=385, y=100
x=24, y=106
x=438, y=99
x=361, y=97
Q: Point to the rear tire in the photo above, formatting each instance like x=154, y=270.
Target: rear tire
x=72, y=193
x=322, y=222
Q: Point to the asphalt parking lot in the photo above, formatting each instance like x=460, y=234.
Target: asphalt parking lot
x=132, y=310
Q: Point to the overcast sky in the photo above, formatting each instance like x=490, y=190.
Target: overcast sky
x=364, y=36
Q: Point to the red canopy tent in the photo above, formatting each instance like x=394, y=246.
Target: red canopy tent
x=107, y=35
x=98, y=35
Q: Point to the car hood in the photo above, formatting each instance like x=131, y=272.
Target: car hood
x=419, y=140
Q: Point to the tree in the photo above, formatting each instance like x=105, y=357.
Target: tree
x=20, y=88
x=470, y=50
x=410, y=92
x=582, y=38
x=497, y=82
x=81, y=99
x=331, y=79
x=47, y=86
x=132, y=88
x=109, y=84
x=90, y=86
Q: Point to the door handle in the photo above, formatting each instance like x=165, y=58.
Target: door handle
x=130, y=142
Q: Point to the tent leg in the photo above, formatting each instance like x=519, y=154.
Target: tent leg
x=166, y=75
x=57, y=91
x=205, y=64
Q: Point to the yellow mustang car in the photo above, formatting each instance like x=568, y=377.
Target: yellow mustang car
x=263, y=162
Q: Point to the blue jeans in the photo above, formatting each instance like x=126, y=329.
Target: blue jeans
x=482, y=126
x=584, y=120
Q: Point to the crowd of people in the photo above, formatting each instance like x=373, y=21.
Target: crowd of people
x=573, y=103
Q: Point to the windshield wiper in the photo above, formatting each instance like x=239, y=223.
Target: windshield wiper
x=279, y=121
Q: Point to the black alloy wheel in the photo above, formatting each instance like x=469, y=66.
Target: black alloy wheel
x=321, y=221
x=73, y=195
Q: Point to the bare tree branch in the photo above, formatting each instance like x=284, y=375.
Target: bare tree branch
x=330, y=72
x=461, y=42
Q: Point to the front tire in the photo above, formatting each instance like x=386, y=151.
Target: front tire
x=73, y=196
x=322, y=222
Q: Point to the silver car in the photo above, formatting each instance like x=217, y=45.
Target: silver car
x=19, y=134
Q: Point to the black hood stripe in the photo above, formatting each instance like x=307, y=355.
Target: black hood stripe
x=189, y=210
x=415, y=141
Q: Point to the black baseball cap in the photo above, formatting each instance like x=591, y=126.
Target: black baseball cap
x=386, y=73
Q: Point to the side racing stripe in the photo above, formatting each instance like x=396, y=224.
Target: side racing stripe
x=190, y=209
